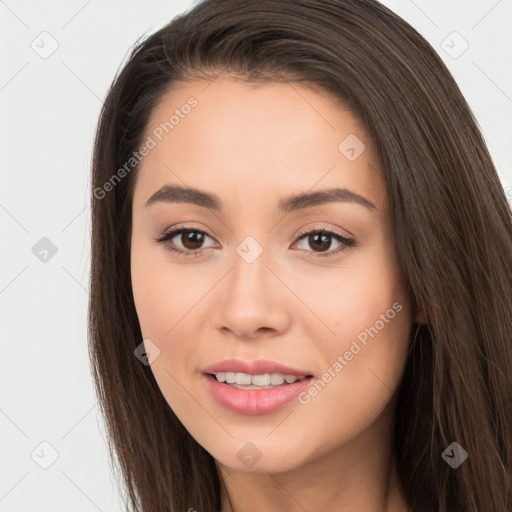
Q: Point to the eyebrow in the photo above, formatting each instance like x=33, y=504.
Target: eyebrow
x=179, y=194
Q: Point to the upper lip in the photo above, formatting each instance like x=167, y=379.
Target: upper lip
x=258, y=367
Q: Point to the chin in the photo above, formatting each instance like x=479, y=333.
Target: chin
x=261, y=456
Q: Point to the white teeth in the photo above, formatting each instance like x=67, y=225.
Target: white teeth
x=261, y=380
x=274, y=379
x=243, y=378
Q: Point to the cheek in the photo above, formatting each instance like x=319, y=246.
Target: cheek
x=359, y=293
x=368, y=312
x=168, y=298
x=367, y=305
x=164, y=302
x=163, y=293
x=154, y=298
x=362, y=368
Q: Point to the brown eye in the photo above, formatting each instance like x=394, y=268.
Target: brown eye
x=189, y=241
x=192, y=240
x=321, y=240
x=184, y=241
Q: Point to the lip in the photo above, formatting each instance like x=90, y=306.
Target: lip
x=255, y=401
x=258, y=367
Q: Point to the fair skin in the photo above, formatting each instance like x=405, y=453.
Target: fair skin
x=252, y=147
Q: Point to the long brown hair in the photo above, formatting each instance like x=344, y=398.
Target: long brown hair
x=453, y=237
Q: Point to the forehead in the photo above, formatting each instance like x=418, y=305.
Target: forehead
x=257, y=138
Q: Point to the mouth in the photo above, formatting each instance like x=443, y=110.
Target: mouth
x=255, y=387
x=251, y=399
x=269, y=393
x=241, y=380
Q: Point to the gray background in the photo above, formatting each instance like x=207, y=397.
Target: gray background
x=49, y=105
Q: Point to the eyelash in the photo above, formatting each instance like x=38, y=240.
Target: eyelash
x=168, y=235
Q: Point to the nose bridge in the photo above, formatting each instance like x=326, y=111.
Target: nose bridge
x=252, y=298
x=249, y=280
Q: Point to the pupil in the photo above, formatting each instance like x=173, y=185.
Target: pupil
x=192, y=237
x=324, y=244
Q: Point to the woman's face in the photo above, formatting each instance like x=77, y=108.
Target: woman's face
x=252, y=287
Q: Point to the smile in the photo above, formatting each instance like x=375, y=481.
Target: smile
x=254, y=399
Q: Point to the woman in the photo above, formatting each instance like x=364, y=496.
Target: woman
x=301, y=279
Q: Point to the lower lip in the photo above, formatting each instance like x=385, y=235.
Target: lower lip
x=255, y=401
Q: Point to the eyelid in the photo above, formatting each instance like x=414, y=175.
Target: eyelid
x=306, y=230
x=177, y=230
x=303, y=231
x=178, y=227
x=347, y=241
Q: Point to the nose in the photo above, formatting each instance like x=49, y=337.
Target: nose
x=253, y=302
